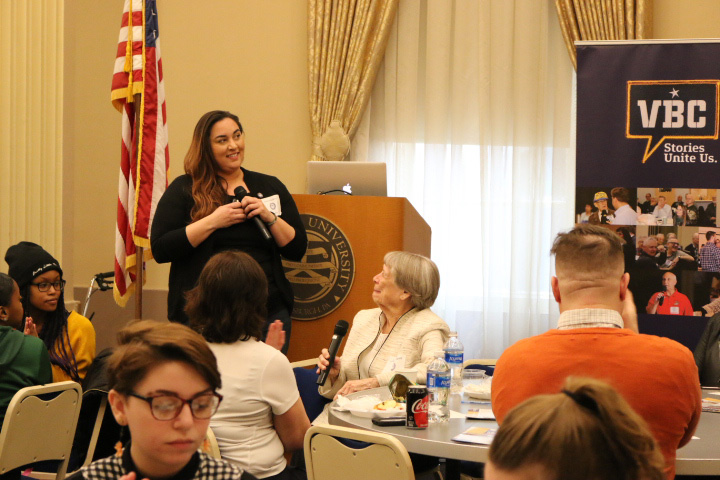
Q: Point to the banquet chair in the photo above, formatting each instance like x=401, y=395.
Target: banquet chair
x=307, y=387
x=40, y=425
x=210, y=445
x=90, y=451
x=308, y=362
x=327, y=458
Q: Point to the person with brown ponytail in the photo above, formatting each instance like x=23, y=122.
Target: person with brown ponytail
x=586, y=431
x=200, y=215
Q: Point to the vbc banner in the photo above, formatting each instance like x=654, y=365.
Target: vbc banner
x=647, y=115
x=648, y=167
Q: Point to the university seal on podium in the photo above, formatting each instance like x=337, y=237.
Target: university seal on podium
x=322, y=279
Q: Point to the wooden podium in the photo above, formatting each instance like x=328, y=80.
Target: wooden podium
x=373, y=226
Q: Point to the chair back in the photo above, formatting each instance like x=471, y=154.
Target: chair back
x=327, y=458
x=88, y=450
x=40, y=425
x=97, y=432
x=307, y=387
x=210, y=445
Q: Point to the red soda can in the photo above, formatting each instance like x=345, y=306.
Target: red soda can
x=417, y=407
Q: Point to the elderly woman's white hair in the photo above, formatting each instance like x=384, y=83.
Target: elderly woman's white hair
x=416, y=274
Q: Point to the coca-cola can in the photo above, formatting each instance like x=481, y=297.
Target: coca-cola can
x=417, y=407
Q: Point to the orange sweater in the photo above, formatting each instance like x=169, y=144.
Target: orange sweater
x=657, y=376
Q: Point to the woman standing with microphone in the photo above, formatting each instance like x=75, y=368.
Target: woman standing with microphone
x=200, y=214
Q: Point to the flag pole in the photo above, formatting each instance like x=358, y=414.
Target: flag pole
x=139, y=251
x=139, y=282
x=139, y=94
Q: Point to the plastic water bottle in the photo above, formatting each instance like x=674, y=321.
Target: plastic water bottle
x=438, y=384
x=454, y=358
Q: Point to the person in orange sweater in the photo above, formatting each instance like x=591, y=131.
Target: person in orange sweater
x=597, y=338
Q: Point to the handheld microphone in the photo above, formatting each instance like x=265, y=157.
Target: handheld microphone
x=341, y=328
x=603, y=217
x=240, y=193
x=661, y=297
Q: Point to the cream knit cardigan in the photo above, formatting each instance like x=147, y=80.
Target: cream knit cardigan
x=418, y=335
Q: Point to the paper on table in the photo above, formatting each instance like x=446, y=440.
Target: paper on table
x=711, y=405
x=480, y=414
x=479, y=435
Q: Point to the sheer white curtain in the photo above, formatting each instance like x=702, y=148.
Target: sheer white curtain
x=472, y=111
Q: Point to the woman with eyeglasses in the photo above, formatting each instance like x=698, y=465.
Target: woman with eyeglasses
x=586, y=431
x=262, y=416
x=163, y=381
x=68, y=336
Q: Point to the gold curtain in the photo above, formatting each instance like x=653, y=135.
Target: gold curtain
x=603, y=20
x=346, y=44
x=31, y=127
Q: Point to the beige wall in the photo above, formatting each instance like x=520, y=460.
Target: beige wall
x=686, y=19
x=247, y=56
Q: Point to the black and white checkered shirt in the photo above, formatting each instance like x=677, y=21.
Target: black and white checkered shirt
x=200, y=467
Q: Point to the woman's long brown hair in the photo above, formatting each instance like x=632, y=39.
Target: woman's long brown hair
x=208, y=188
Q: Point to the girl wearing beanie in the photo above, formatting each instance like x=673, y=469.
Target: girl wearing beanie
x=68, y=336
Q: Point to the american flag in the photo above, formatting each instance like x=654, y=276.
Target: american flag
x=145, y=158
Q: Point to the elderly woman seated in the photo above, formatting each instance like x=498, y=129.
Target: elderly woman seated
x=401, y=330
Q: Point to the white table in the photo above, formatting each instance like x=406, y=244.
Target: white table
x=699, y=457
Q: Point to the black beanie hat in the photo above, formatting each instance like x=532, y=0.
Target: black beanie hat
x=27, y=260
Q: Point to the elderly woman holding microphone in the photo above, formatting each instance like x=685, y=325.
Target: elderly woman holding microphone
x=401, y=332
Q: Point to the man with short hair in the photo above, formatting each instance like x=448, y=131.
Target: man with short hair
x=711, y=213
x=603, y=215
x=645, y=275
x=673, y=257
x=669, y=301
x=692, y=213
x=646, y=206
x=594, y=339
x=648, y=252
x=709, y=256
x=624, y=214
x=660, y=237
x=662, y=211
x=679, y=202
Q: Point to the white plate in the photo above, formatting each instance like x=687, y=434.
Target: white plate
x=479, y=395
x=481, y=392
x=365, y=413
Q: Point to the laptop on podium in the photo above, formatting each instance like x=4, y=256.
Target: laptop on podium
x=347, y=178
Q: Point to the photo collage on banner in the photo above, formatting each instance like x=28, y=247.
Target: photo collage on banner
x=648, y=168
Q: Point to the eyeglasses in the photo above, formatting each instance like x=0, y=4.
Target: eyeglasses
x=168, y=406
x=59, y=286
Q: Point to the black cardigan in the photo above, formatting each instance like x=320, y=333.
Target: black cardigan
x=169, y=242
